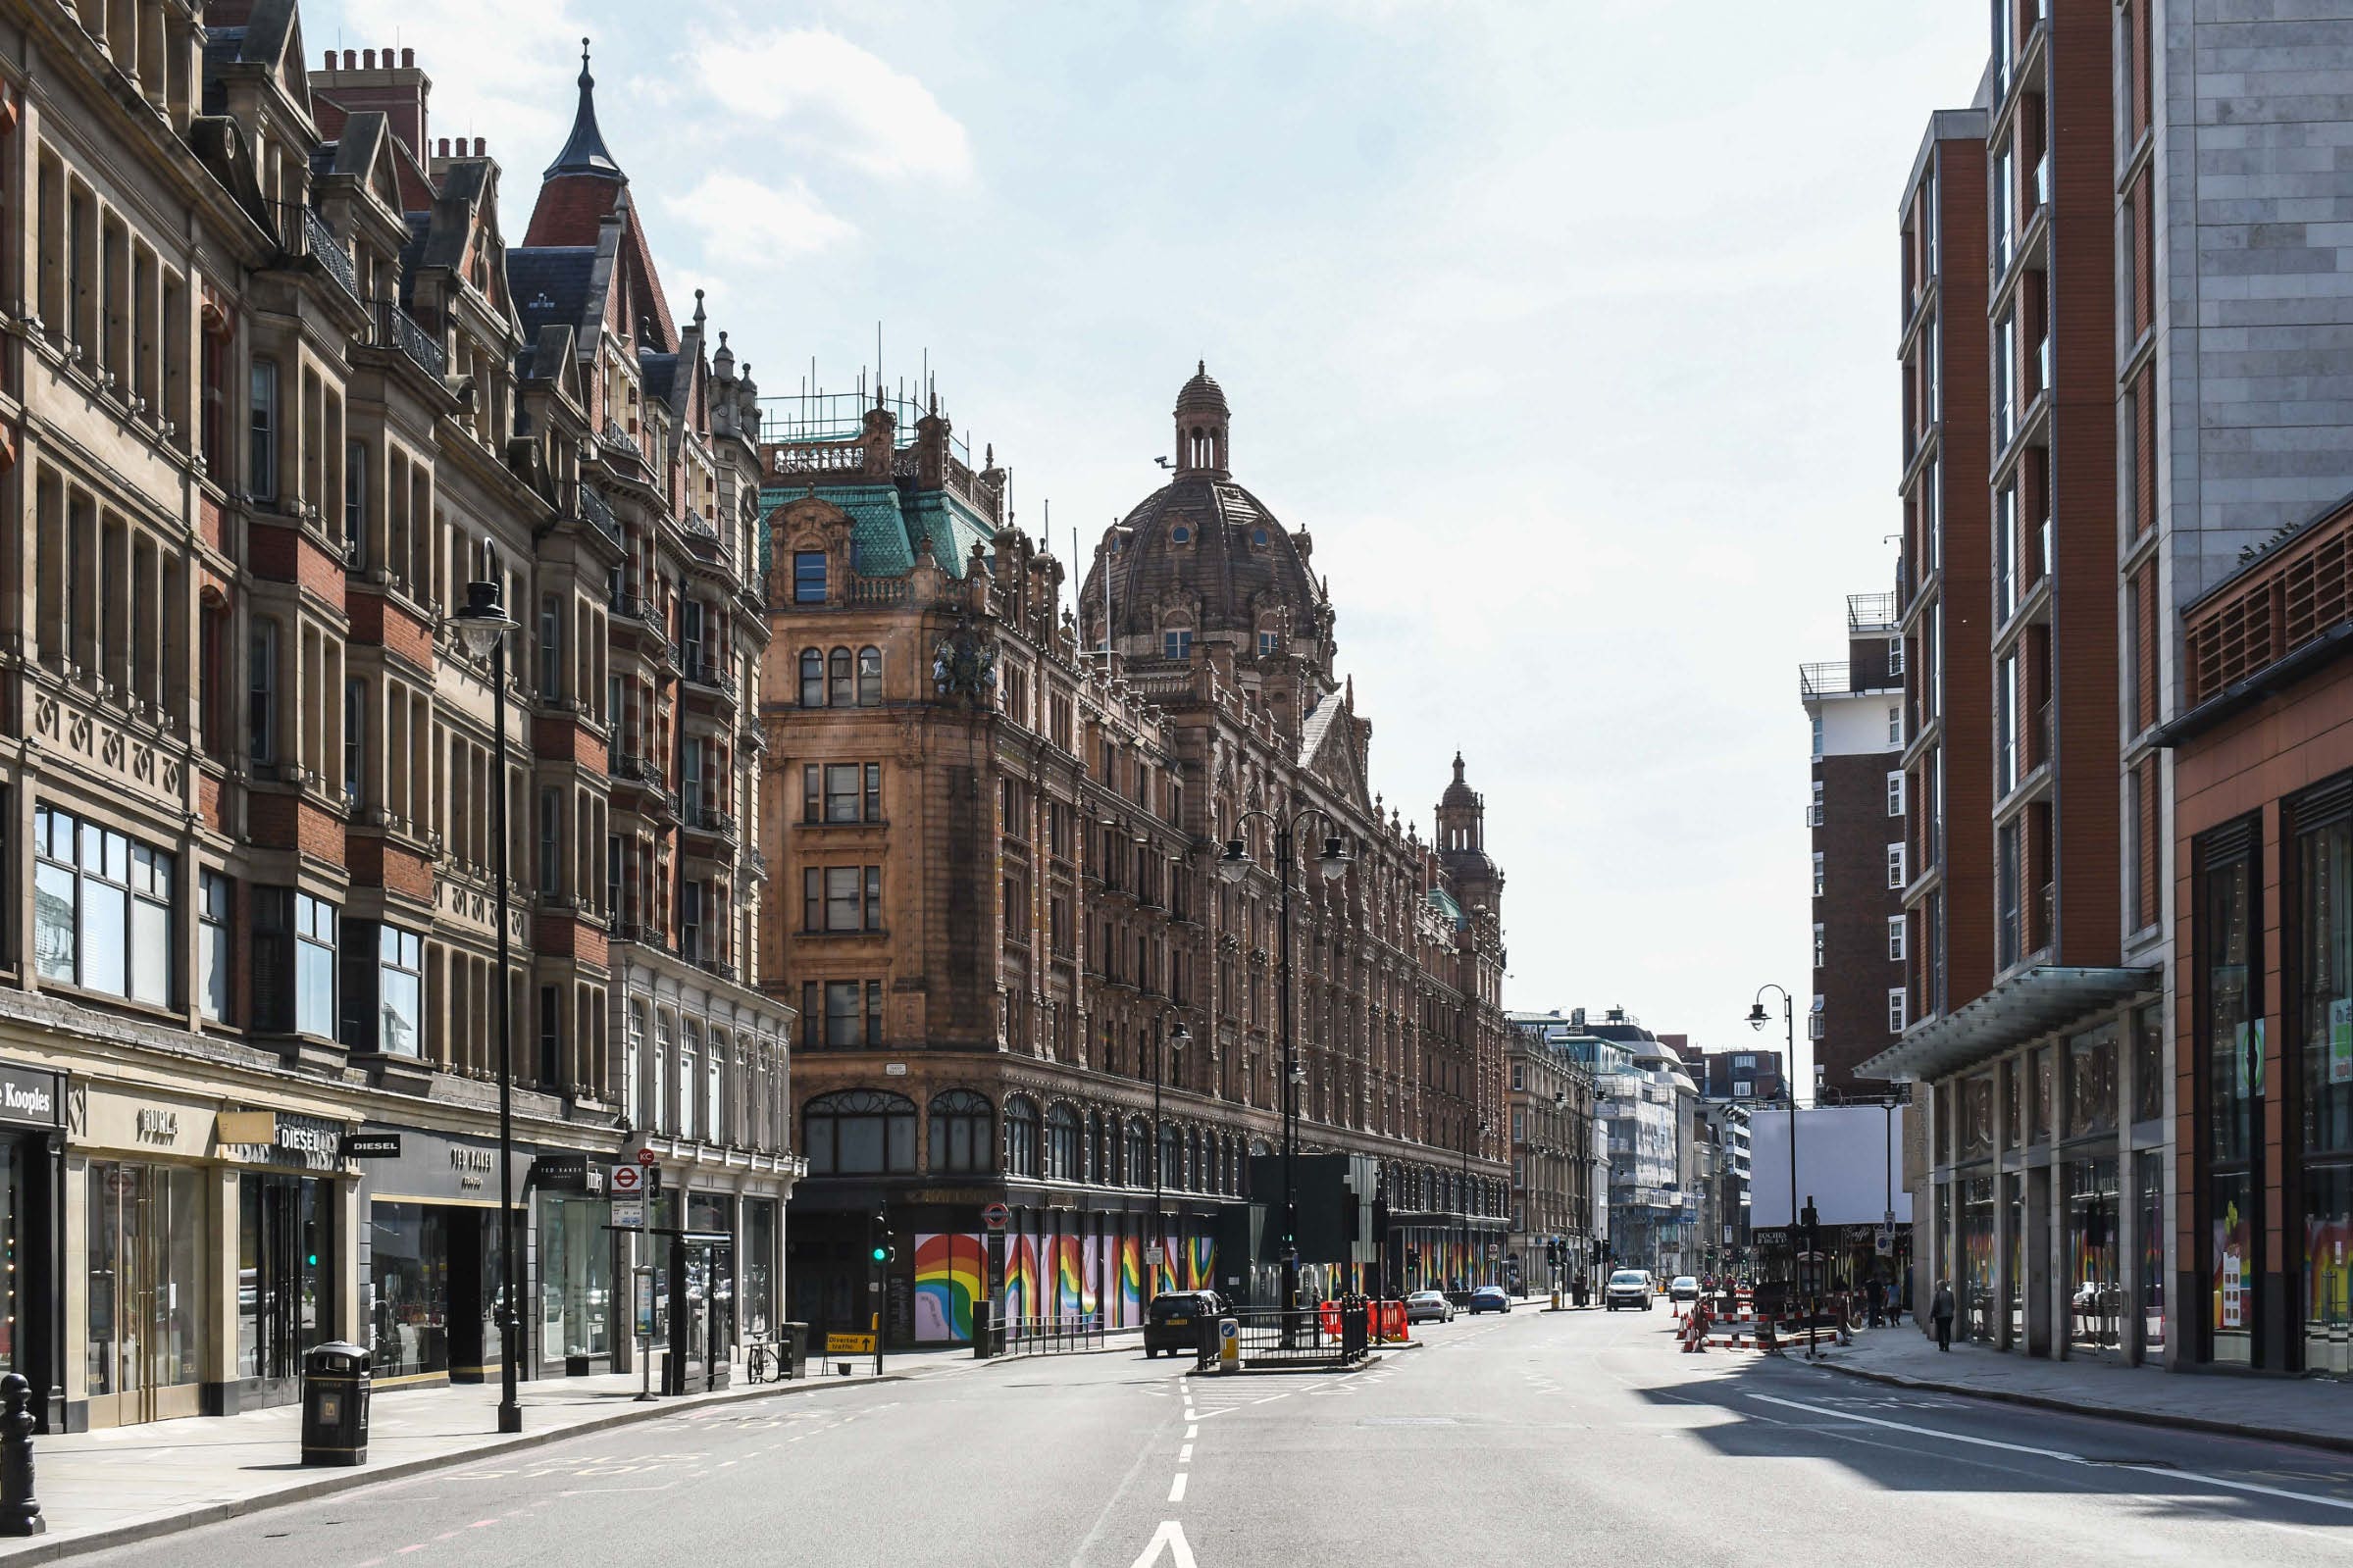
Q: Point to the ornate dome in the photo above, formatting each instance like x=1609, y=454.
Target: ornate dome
x=1201, y=395
x=1201, y=560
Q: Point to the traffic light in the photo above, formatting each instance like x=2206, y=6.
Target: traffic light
x=885, y=1244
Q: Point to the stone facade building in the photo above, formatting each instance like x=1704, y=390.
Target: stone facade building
x=276, y=390
x=1003, y=837
x=1553, y=1149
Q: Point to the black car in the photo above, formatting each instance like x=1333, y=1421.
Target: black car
x=1173, y=1324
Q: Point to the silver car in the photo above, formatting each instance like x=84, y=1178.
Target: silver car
x=1629, y=1287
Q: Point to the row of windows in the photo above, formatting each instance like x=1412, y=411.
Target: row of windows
x=866, y=1133
x=834, y=680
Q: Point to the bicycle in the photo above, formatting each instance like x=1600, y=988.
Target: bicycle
x=763, y=1362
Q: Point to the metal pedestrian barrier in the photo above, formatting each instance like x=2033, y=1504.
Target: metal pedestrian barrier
x=1328, y=1333
x=1052, y=1335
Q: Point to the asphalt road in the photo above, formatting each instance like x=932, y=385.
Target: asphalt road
x=1576, y=1437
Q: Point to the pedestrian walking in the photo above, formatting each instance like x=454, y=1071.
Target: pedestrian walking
x=1941, y=1309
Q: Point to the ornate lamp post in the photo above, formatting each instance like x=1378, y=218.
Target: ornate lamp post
x=1175, y=1040
x=1332, y=863
x=483, y=625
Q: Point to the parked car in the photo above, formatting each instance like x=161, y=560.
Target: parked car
x=1683, y=1288
x=1489, y=1298
x=1629, y=1287
x=1172, y=1324
x=1429, y=1306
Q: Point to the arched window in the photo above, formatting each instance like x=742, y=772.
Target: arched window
x=960, y=1131
x=838, y=664
x=869, y=677
x=1099, y=1151
x=1139, y=1157
x=1062, y=1144
x=813, y=678
x=857, y=1132
x=1021, y=1137
x=1172, y=1157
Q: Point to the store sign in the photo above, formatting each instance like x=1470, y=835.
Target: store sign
x=282, y=1139
x=560, y=1173
x=158, y=1126
x=28, y=1096
x=371, y=1145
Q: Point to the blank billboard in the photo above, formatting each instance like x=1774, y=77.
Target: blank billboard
x=1850, y=1163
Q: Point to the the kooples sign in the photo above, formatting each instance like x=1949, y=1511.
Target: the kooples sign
x=29, y=1097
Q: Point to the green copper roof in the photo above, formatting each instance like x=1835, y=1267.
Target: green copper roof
x=1446, y=905
x=883, y=525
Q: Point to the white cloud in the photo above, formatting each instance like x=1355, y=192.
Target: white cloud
x=751, y=224
x=827, y=97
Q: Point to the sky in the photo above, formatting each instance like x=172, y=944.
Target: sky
x=1567, y=328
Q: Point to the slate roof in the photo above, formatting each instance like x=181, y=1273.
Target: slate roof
x=550, y=284
x=585, y=152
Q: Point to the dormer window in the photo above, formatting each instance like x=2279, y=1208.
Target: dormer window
x=1177, y=643
x=1180, y=534
x=1257, y=539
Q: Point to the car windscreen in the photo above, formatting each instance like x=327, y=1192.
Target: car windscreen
x=1626, y=1276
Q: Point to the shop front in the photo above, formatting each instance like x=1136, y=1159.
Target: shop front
x=431, y=1271
x=290, y=1225
x=31, y=1206
x=579, y=1256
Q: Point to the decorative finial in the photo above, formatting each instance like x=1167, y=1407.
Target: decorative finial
x=585, y=80
x=699, y=317
x=723, y=334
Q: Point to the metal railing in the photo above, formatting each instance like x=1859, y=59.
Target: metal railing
x=1822, y=679
x=1324, y=1334
x=1055, y=1334
x=592, y=506
x=306, y=234
x=397, y=328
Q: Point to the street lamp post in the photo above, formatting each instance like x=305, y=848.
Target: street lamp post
x=483, y=624
x=1163, y=1039
x=1758, y=1019
x=1234, y=865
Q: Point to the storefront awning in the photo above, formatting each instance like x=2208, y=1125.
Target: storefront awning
x=2036, y=1001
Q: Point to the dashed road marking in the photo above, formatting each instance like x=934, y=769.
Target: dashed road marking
x=1176, y=1487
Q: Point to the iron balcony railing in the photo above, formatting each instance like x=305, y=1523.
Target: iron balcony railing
x=397, y=328
x=1823, y=679
x=592, y=507
x=318, y=240
x=1871, y=612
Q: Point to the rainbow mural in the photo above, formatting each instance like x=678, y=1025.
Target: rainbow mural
x=1021, y=1279
x=1203, y=1262
x=1091, y=1276
x=951, y=1274
x=1131, y=1280
x=1069, y=1285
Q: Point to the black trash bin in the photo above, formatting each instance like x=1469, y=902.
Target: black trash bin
x=792, y=1344
x=335, y=1406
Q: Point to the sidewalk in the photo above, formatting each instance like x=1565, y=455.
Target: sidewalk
x=2304, y=1410
x=105, y=1489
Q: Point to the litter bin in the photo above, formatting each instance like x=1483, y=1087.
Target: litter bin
x=793, y=1342
x=335, y=1406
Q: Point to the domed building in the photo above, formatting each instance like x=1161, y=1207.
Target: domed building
x=1026, y=977
x=1203, y=564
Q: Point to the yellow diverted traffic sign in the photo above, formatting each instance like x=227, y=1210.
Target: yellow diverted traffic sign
x=850, y=1345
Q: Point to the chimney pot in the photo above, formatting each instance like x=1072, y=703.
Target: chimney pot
x=352, y=60
x=368, y=56
x=408, y=58
x=478, y=143
x=443, y=150
x=331, y=59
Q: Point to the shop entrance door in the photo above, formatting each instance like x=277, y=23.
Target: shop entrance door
x=283, y=1263
x=146, y=1299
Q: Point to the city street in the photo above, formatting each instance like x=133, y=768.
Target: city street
x=1581, y=1437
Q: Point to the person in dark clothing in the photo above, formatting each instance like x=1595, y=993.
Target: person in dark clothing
x=1941, y=1310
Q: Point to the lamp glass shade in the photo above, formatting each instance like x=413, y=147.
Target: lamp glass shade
x=483, y=619
x=1333, y=862
x=1180, y=1037
x=1756, y=1019
x=1234, y=864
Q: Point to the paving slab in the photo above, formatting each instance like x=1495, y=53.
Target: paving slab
x=2316, y=1411
x=106, y=1489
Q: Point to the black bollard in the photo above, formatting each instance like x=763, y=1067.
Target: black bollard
x=20, y=1515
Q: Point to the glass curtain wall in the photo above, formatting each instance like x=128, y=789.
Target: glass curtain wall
x=2322, y=1019
x=2230, y=1046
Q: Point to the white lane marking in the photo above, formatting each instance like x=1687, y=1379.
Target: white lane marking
x=1176, y=1487
x=1170, y=1535
x=1185, y=1455
x=1193, y=1430
x=2063, y=1456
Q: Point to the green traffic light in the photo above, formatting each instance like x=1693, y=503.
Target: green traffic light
x=880, y=1253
